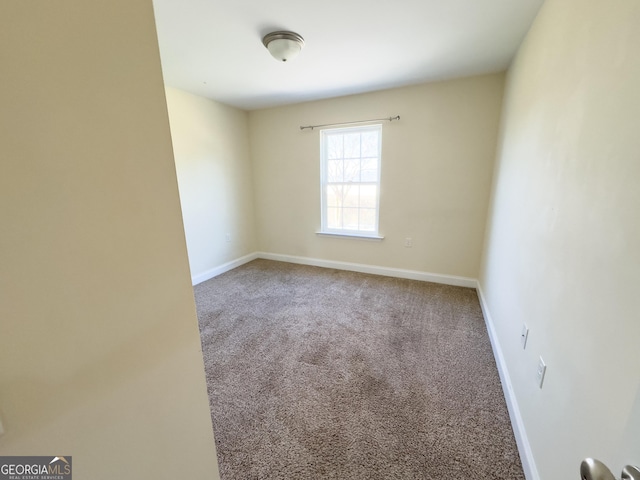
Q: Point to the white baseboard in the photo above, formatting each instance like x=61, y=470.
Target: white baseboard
x=376, y=270
x=214, y=272
x=524, y=447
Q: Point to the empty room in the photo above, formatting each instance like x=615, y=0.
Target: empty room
x=295, y=240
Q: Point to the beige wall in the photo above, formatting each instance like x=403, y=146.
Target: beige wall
x=211, y=148
x=562, y=251
x=436, y=175
x=99, y=347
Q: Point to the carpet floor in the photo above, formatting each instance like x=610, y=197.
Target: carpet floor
x=318, y=373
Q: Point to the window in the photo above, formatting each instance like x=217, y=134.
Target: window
x=350, y=180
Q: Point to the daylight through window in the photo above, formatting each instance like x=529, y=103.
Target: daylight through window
x=350, y=176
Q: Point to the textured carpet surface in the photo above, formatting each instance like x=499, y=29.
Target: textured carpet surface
x=317, y=373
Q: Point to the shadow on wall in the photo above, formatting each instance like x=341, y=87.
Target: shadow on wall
x=53, y=399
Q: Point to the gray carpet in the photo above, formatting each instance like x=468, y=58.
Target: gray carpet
x=317, y=373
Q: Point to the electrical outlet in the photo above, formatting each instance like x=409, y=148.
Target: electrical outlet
x=1, y=428
x=524, y=335
x=408, y=242
x=228, y=237
x=542, y=369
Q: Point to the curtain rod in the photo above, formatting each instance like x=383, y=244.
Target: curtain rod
x=390, y=119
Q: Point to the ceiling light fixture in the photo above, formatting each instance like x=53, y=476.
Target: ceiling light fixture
x=283, y=46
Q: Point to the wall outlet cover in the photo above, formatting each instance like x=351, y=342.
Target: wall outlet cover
x=542, y=369
x=524, y=335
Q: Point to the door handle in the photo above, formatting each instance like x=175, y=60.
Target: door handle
x=592, y=469
x=630, y=473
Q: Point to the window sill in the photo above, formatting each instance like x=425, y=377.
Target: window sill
x=351, y=235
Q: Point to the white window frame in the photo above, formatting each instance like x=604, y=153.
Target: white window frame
x=324, y=166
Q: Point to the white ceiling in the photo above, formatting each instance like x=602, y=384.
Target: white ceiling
x=213, y=48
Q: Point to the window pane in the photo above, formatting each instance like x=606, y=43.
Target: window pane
x=370, y=144
x=334, y=146
x=369, y=170
x=334, y=217
x=334, y=195
x=334, y=171
x=352, y=170
x=368, y=196
x=368, y=219
x=352, y=145
x=352, y=196
x=351, y=173
x=350, y=218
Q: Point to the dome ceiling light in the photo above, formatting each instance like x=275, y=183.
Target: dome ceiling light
x=283, y=46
